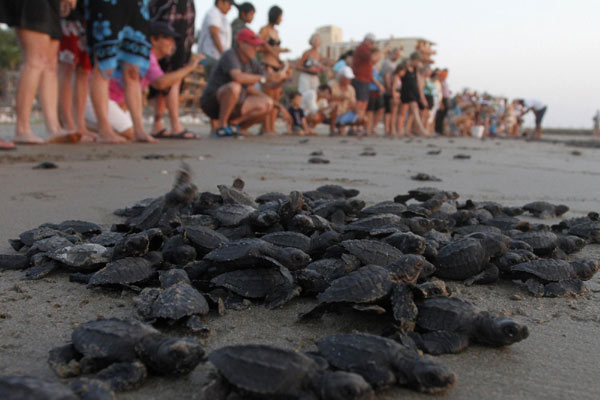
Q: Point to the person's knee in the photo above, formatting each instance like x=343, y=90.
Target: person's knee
x=131, y=74
x=234, y=88
x=269, y=104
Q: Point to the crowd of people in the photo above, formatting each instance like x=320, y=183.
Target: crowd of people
x=90, y=61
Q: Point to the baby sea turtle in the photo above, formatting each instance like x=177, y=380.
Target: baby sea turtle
x=409, y=268
x=450, y=324
x=204, y=239
x=386, y=207
x=318, y=275
x=127, y=271
x=542, y=243
x=379, y=224
x=461, y=259
x=276, y=286
x=262, y=371
x=543, y=209
x=83, y=257
x=296, y=240
x=407, y=242
x=338, y=191
x=362, y=287
x=368, y=251
x=175, y=300
x=383, y=362
x=121, y=350
x=250, y=253
x=138, y=244
x=31, y=388
x=555, y=278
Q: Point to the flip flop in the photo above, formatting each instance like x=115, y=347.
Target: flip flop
x=185, y=134
x=7, y=146
x=162, y=134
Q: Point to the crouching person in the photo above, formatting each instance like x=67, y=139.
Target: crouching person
x=231, y=98
x=162, y=38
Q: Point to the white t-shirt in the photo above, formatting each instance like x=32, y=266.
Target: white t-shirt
x=310, y=104
x=206, y=46
x=536, y=104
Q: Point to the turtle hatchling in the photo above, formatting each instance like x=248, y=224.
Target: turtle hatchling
x=543, y=209
x=267, y=372
x=384, y=362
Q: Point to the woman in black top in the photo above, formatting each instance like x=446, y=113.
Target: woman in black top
x=37, y=25
x=410, y=96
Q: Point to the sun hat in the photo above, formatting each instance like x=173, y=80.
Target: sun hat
x=347, y=73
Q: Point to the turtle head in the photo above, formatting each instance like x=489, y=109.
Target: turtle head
x=293, y=259
x=430, y=376
x=500, y=331
x=345, y=386
x=585, y=269
x=168, y=356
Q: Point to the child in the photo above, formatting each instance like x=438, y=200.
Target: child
x=297, y=123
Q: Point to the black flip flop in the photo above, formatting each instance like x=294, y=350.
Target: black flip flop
x=185, y=134
x=161, y=134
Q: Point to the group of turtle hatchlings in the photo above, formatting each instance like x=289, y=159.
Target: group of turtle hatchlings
x=187, y=254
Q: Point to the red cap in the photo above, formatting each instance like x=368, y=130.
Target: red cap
x=247, y=36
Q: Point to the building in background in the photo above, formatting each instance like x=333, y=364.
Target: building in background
x=333, y=46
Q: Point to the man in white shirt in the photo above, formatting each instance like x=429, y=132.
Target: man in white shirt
x=215, y=35
x=539, y=109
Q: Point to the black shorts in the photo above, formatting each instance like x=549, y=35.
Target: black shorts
x=539, y=116
x=430, y=102
x=408, y=97
x=41, y=16
x=210, y=105
x=362, y=90
x=375, y=102
x=387, y=103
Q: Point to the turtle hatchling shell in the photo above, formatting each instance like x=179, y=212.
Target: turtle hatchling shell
x=264, y=370
x=179, y=301
x=547, y=270
x=111, y=339
x=252, y=283
x=461, y=259
x=30, y=388
x=289, y=239
x=365, y=285
x=86, y=256
x=372, y=252
x=126, y=271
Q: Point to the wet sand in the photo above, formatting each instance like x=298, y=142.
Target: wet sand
x=559, y=360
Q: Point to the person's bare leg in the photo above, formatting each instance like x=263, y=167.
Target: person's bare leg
x=228, y=96
x=172, y=100
x=133, y=99
x=66, y=71
x=33, y=49
x=377, y=117
x=99, y=97
x=417, y=118
x=370, y=116
x=49, y=93
x=159, y=109
x=333, y=120
x=82, y=86
x=401, y=118
x=254, y=110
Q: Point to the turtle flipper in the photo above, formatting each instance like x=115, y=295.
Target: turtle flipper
x=564, y=288
x=489, y=275
x=64, y=361
x=281, y=295
x=440, y=342
x=123, y=376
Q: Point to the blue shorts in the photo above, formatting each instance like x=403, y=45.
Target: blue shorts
x=348, y=118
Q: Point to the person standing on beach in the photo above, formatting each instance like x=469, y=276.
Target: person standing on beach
x=74, y=62
x=597, y=124
x=362, y=66
x=119, y=47
x=180, y=15
x=410, y=96
x=310, y=66
x=245, y=17
x=539, y=110
x=37, y=25
x=389, y=102
x=215, y=34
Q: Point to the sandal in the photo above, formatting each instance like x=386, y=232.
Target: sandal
x=225, y=132
x=185, y=134
x=162, y=134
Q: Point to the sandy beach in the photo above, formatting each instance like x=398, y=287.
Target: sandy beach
x=558, y=360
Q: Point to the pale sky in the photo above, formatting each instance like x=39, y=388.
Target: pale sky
x=547, y=49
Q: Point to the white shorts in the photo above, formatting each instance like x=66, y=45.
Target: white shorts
x=119, y=119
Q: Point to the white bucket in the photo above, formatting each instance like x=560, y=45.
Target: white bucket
x=477, y=131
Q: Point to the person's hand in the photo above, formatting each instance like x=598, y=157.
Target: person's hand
x=381, y=88
x=66, y=6
x=195, y=59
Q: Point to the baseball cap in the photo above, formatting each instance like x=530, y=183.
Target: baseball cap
x=247, y=36
x=346, y=72
x=159, y=28
x=371, y=37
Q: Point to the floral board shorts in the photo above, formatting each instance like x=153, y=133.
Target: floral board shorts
x=118, y=31
x=73, y=49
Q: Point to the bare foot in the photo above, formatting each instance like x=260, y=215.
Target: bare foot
x=28, y=138
x=145, y=138
x=64, y=138
x=89, y=138
x=6, y=145
x=110, y=139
